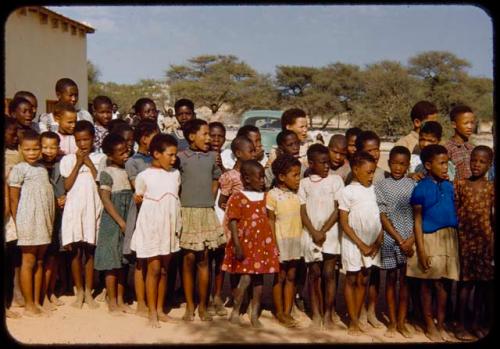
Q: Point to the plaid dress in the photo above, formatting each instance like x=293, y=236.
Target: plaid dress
x=459, y=154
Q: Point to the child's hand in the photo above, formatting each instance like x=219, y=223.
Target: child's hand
x=318, y=237
x=123, y=226
x=375, y=247
x=240, y=256
x=407, y=247
x=417, y=176
x=424, y=260
x=365, y=249
x=61, y=200
x=80, y=157
x=218, y=161
x=138, y=199
x=223, y=206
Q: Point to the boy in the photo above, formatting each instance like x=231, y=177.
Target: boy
x=459, y=148
x=102, y=112
x=337, y=149
x=32, y=99
x=422, y=111
x=288, y=143
x=350, y=135
x=65, y=116
x=184, y=111
x=252, y=133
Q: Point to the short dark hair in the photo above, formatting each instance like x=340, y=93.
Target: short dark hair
x=238, y=142
x=364, y=137
x=290, y=115
x=432, y=128
x=353, y=131
x=110, y=141
x=458, y=110
x=246, y=130
x=25, y=94
x=431, y=151
x=160, y=142
x=338, y=139
x=192, y=126
x=360, y=157
x=29, y=135
x=62, y=107
x=280, y=138
x=64, y=83
x=141, y=102
x=50, y=135
x=422, y=109
x=248, y=165
x=101, y=100
x=283, y=164
x=84, y=125
x=16, y=102
x=114, y=123
x=217, y=124
x=183, y=102
x=399, y=150
x=145, y=128
x=315, y=150
x=483, y=148
x=120, y=128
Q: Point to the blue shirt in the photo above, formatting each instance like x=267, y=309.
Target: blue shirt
x=438, y=206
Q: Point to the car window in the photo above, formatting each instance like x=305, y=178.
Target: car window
x=263, y=122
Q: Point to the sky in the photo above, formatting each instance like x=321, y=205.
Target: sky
x=141, y=42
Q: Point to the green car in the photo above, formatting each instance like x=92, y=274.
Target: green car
x=268, y=122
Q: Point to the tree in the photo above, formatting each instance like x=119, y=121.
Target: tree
x=93, y=73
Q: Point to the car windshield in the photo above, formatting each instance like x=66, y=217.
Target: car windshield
x=263, y=122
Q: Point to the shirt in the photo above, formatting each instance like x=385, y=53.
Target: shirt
x=409, y=141
x=459, y=154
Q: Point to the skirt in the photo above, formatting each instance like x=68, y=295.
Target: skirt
x=442, y=248
x=200, y=229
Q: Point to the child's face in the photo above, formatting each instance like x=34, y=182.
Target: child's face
x=129, y=139
x=11, y=137
x=146, y=140
x=425, y=139
x=246, y=152
x=103, y=113
x=464, y=124
x=31, y=150
x=50, y=149
x=217, y=138
x=184, y=114
x=69, y=95
x=337, y=155
x=480, y=163
x=320, y=165
x=398, y=165
x=166, y=158
x=24, y=114
x=257, y=142
x=351, y=145
x=438, y=166
x=67, y=122
x=372, y=147
x=201, y=139
x=300, y=128
x=119, y=155
x=148, y=112
x=34, y=104
x=291, y=145
x=254, y=181
x=291, y=179
x=84, y=140
x=418, y=123
x=365, y=172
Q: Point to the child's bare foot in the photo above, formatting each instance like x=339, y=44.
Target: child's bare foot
x=328, y=322
x=18, y=300
x=464, y=335
x=142, y=310
x=12, y=314
x=204, y=315
x=391, y=331
x=114, y=309
x=78, y=303
x=372, y=320
x=234, y=318
x=433, y=334
x=211, y=309
x=90, y=301
x=153, y=320
x=445, y=336
x=48, y=306
x=354, y=330
x=32, y=310
x=55, y=300
x=315, y=323
x=254, y=320
x=165, y=318
x=364, y=327
x=125, y=308
x=188, y=315
x=101, y=297
x=336, y=317
x=285, y=320
x=405, y=331
x=220, y=310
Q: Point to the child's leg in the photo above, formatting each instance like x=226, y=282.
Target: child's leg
x=239, y=292
x=162, y=288
x=301, y=276
x=139, y=287
x=219, y=281
x=279, y=280
x=314, y=273
x=257, y=282
x=362, y=282
x=403, y=303
x=52, y=285
x=482, y=296
x=426, y=298
x=202, y=273
x=373, y=287
x=465, y=288
x=330, y=279
x=390, y=296
x=29, y=256
x=350, y=294
x=152, y=277
x=38, y=274
x=76, y=271
x=289, y=288
x=188, y=283
x=121, y=287
x=111, y=288
x=89, y=275
x=48, y=274
x=442, y=286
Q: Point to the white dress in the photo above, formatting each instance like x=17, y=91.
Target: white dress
x=157, y=229
x=83, y=207
x=319, y=195
x=364, y=218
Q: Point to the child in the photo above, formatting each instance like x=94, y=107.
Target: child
x=32, y=99
x=251, y=251
x=435, y=221
x=120, y=127
x=350, y=136
x=11, y=139
x=459, y=148
x=283, y=207
x=252, y=133
x=337, y=149
x=144, y=132
x=102, y=113
x=321, y=246
x=421, y=112
x=66, y=92
x=393, y=199
x=116, y=193
x=65, y=115
x=217, y=140
x=22, y=110
x=51, y=160
x=201, y=230
x=288, y=143
x=184, y=111
x=362, y=234
x=32, y=207
x=82, y=210
x=158, y=223
x=474, y=199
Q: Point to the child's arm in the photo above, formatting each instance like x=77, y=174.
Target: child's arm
x=330, y=222
x=236, y=240
x=14, y=194
x=405, y=245
x=423, y=259
x=346, y=228
x=6, y=211
x=90, y=165
x=317, y=236
x=375, y=247
x=215, y=187
x=272, y=222
x=223, y=201
x=70, y=180
x=110, y=208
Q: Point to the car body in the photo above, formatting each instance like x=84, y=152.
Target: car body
x=268, y=122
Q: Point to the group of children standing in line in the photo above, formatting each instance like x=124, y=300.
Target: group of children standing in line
x=113, y=195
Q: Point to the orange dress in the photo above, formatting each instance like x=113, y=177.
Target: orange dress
x=255, y=235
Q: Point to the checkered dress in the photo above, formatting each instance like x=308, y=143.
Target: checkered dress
x=393, y=199
x=459, y=154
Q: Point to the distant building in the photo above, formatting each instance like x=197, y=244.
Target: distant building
x=42, y=46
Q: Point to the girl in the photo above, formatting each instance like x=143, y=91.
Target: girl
x=158, y=223
x=115, y=192
x=252, y=250
x=321, y=245
x=393, y=198
x=145, y=109
x=82, y=211
x=141, y=160
x=102, y=112
x=474, y=199
x=362, y=234
x=22, y=110
x=184, y=111
x=283, y=207
x=32, y=207
x=201, y=230
x=288, y=143
x=123, y=129
x=66, y=116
